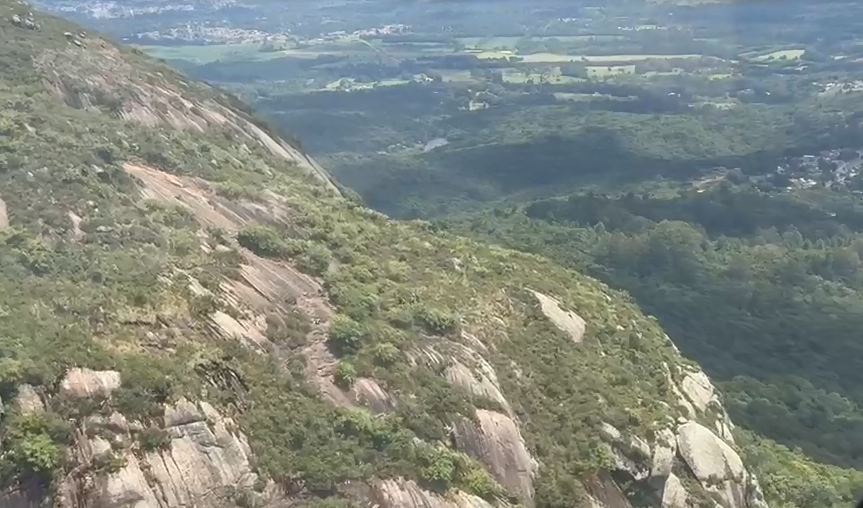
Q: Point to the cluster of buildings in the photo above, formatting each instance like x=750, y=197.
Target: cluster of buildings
x=840, y=87
x=197, y=33
x=396, y=29
x=829, y=168
x=110, y=10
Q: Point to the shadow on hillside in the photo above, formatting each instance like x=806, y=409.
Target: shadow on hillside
x=458, y=179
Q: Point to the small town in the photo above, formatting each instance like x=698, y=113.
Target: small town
x=202, y=34
x=829, y=168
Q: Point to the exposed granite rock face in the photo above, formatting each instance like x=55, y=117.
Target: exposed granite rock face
x=265, y=284
x=205, y=455
x=86, y=383
x=673, y=493
x=497, y=442
x=708, y=452
x=699, y=390
x=680, y=398
x=369, y=393
x=27, y=401
x=81, y=77
x=4, y=216
x=479, y=384
x=203, y=460
x=567, y=321
x=708, y=456
x=718, y=467
x=127, y=487
x=407, y=494
x=664, y=451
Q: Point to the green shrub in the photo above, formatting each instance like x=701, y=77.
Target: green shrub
x=346, y=374
x=34, y=446
x=34, y=454
x=473, y=478
x=345, y=334
x=434, y=320
x=154, y=439
x=232, y=190
x=385, y=353
x=290, y=328
x=439, y=468
x=203, y=306
x=267, y=242
x=315, y=260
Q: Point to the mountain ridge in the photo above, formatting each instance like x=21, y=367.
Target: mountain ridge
x=208, y=321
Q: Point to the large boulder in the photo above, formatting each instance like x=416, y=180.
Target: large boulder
x=204, y=459
x=567, y=321
x=27, y=400
x=674, y=495
x=368, y=392
x=407, y=494
x=718, y=468
x=86, y=383
x=708, y=456
x=496, y=441
x=699, y=390
x=664, y=451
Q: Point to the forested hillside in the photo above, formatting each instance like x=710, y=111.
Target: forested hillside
x=193, y=315
x=764, y=288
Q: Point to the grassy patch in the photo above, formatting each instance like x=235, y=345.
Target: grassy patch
x=783, y=54
x=208, y=54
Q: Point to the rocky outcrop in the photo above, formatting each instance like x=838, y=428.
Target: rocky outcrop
x=709, y=457
x=204, y=457
x=717, y=466
x=696, y=386
x=567, y=321
x=266, y=285
x=28, y=401
x=368, y=392
x=126, y=487
x=664, y=451
x=674, y=495
x=478, y=384
x=407, y=494
x=701, y=441
x=102, y=76
x=4, y=216
x=86, y=383
x=24, y=21
x=496, y=441
x=624, y=449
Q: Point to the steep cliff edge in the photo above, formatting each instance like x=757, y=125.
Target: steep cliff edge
x=192, y=315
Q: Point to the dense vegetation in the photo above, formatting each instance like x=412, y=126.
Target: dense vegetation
x=757, y=279
x=762, y=287
x=93, y=276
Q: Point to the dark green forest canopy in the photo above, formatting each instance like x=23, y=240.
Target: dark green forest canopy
x=763, y=288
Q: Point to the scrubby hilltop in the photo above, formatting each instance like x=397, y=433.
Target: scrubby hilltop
x=193, y=315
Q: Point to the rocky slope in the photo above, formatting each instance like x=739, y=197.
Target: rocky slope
x=193, y=315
